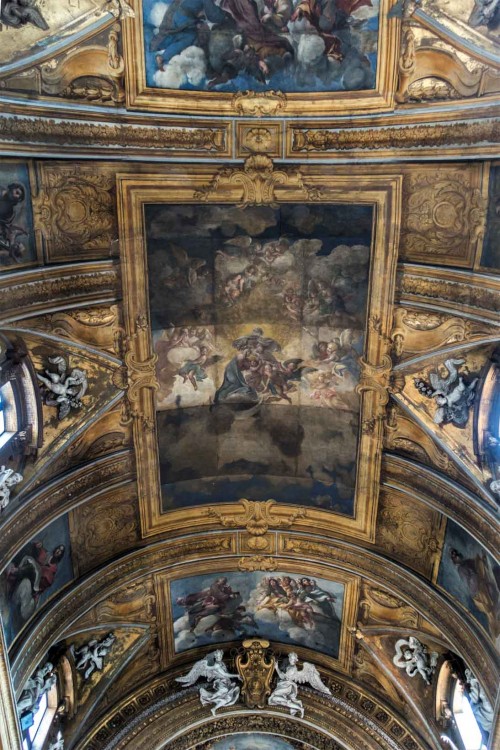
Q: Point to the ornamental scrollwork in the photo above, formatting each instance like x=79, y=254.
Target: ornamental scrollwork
x=258, y=181
x=259, y=104
x=257, y=519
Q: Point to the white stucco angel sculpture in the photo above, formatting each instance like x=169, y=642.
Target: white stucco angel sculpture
x=8, y=479
x=286, y=691
x=481, y=706
x=224, y=692
x=89, y=658
x=58, y=743
x=453, y=396
x=415, y=658
x=38, y=684
x=63, y=389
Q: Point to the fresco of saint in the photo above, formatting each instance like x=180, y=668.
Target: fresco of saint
x=292, y=609
x=470, y=574
x=41, y=568
x=286, y=45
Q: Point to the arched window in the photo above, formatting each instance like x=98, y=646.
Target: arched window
x=34, y=736
x=470, y=732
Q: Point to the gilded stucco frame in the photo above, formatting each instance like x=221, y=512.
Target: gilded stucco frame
x=324, y=104
x=284, y=565
x=198, y=184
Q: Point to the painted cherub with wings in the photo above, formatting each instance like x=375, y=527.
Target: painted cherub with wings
x=186, y=271
x=286, y=691
x=212, y=667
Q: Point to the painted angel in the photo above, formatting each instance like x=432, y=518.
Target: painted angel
x=64, y=390
x=415, y=658
x=224, y=692
x=286, y=691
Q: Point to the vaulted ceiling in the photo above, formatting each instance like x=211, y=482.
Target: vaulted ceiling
x=249, y=355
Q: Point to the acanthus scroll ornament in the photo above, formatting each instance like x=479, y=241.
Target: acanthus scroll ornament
x=258, y=181
x=257, y=562
x=258, y=103
x=257, y=519
x=120, y=9
x=139, y=371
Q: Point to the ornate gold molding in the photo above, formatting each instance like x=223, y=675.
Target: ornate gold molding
x=56, y=287
x=259, y=182
x=75, y=210
x=37, y=132
x=418, y=331
x=395, y=138
x=257, y=518
x=259, y=104
x=257, y=562
x=139, y=372
x=459, y=292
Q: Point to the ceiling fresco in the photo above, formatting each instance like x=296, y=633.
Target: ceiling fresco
x=299, y=611
x=258, y=321
x=249, y=374
x=234, y=46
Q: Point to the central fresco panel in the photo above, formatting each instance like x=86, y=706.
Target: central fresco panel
x=258, y=317
x=262, y=45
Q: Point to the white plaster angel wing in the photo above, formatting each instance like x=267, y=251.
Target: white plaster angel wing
x=398, y=659
x=200, y=669
x=309, y=674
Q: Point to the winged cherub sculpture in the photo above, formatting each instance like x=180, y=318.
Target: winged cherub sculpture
x=224, y=692
x=286, y=691
x=415, y=658
x=452, y=394
x=62, y=388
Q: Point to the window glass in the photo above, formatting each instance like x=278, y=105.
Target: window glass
x=466, y=722
x=38, y=716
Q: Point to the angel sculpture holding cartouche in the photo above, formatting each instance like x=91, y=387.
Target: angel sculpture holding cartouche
x=212, y=667
x=286, y=691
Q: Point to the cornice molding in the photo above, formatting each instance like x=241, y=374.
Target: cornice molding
x=422, y=139
x=445, y=289
x=31, y=134
x=44, y=290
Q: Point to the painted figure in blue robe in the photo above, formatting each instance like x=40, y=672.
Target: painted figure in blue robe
x=243, y=376
x=181, y=25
